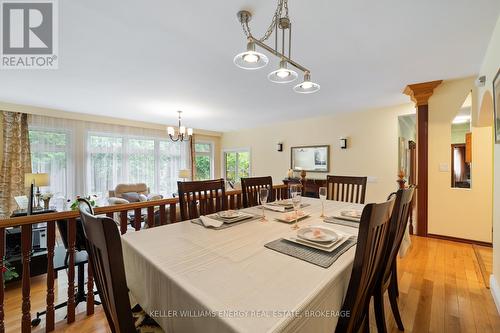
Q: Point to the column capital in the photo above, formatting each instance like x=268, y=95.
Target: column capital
x=421, y=92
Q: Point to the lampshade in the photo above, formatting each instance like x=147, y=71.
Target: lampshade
x=184, y=173
x=283, y=74
x=37, y=179
x=250, y=59
x=306, y=87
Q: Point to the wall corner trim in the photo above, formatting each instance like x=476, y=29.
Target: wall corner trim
x=495, y=291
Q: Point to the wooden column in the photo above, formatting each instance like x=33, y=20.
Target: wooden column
x=420, y=94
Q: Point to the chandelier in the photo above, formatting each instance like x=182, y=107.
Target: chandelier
x=252, y=59
x=181, y=131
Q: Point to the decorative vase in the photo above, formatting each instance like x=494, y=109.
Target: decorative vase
x=46, y=203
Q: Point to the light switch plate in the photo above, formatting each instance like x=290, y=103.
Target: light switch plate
x=371, y=179
x=443, y=167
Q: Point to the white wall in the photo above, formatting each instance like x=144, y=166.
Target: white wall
x=372, y=146
x=490, y=66
x=458, y=212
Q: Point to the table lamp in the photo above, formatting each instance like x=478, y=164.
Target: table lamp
x=184, y=174
x=35, y=179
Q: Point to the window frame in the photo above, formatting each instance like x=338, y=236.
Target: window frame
x=210, y=154
x=236, y=150
x=68, y=150
x=125, y=151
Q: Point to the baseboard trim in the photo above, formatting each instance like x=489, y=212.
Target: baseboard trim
x=460, y=240
x=495, y=292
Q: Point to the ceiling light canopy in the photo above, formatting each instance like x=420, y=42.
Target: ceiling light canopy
x=252, y=59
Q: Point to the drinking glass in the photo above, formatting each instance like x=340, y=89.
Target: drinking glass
x=296, y=200
x=322, y=197
x=294, y=188
x=263, y=193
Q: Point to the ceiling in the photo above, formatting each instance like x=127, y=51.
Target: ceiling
x=143, y=60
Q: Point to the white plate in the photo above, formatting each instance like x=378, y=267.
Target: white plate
x=229, y=214
x=318, y=246
x=317, y=234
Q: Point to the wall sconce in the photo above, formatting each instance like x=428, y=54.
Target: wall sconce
x=279, y=146
x=343, y=143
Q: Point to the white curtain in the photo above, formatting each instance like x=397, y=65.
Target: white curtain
x=92, y=158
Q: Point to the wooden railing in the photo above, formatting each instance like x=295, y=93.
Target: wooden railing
x=26, y=223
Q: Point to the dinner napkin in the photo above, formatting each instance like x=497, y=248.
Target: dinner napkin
x=275, y=208
x=209, y=222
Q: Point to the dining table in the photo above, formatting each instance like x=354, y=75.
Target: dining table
x=190, y=278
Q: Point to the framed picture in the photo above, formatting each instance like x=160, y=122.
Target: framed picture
x=310, y=158
x=496, y=105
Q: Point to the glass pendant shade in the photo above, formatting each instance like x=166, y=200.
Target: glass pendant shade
x=306, y=87
x=283, y=74
x=250, y=59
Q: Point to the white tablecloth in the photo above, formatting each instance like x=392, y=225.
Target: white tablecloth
x=193, y=279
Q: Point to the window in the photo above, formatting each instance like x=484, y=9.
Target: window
x=105, y=163
x=50, y=153
x=114, y=159
x=203, y=160
x=237, y=164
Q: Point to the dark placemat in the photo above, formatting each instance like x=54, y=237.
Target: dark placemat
x=314, y=256
x=339, y=221
x=226, y=225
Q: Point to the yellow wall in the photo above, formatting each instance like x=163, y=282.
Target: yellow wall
x=456, y=212
x=372, y=146
x=490, y=66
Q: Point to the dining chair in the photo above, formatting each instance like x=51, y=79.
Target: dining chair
x=388, y=279
x=106, y=257
x=371, y=247
x=201, y=198
x=346, y=188
x=250, y=188
x=104, y=248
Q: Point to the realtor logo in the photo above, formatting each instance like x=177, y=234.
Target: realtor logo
x=29, y=34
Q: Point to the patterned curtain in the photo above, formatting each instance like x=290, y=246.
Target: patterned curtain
x=16, y=160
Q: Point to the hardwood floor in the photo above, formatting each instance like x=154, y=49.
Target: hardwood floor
x=441, y=290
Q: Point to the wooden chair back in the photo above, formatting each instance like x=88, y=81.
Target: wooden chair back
x=346, y=188
x=201, y=198
x=372, y=244
x=399, y=220
x=250, y=188
x=106, y=258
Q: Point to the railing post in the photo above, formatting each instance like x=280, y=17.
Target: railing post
x=137, y=219
x=151, y=216
x=163, y=217
x=123, y=222
x=90, y=289
x=71, y=269
x=51, y=238
x=26, y=258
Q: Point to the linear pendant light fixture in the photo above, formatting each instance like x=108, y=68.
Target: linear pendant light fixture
x=252, y=59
